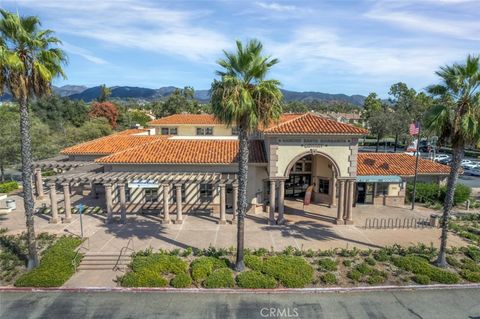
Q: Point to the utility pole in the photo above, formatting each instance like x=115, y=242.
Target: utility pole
x=416, y=168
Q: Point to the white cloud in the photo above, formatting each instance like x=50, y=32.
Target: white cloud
x=138, y=25
x=86, y=54
x=277, y=7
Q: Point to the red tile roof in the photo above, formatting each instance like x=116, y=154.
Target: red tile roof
x=110, y=144
x=133, y=131
x=310, y=123
x=194, y=119
x=187, y=151
x=397, y=164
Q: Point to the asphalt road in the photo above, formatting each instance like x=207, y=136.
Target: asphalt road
x=446, y=303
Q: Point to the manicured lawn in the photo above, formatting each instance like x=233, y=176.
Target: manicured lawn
x=292, y=268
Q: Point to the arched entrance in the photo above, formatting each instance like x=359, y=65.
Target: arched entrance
x=315, y=169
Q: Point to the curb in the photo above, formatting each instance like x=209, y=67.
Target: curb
x=240, y=291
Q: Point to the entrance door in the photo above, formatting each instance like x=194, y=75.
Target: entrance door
x=297, y=184
x=365, y=193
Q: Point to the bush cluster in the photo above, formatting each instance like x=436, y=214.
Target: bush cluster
x=329, y=278
x=204, y=266
x=7, y=187
x=327, y=264
x=220, y=278
x=291, y=271
x=254, y=279
x=55, y=267
x=420, y=266
x=432, y=193
x=182, y=280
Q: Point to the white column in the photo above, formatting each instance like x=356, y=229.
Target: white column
x=281, y=202
x=109, y=202
x=235, y=202
x=123, y=203
x=341, y=189
x=349, y=218
x=178, y=189
x=166, y=204
x=333, y=190
x=39, y=183
x=271, y=215
x=223, y=219
x=53, y=204
x=67, y=203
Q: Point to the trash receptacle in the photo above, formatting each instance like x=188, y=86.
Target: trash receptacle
x=434, y=220
x=11, y=204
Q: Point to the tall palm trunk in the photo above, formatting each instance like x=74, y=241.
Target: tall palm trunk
x=242, y=196
x=27, y=163
x=457, y=156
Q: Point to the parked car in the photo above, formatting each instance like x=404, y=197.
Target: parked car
x=472, y=165
x=465, y=163
x=441, y=157
x=472, y=171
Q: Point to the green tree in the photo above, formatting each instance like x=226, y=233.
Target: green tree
x=377, y=116
x=456, y=119
x=10, y=137
x=243, y=97
x=57, y=112
x=29, y=60
x=105, y=93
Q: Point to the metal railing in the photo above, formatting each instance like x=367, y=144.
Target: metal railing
x=78, y=252
x=122, y=251
x=391, y=223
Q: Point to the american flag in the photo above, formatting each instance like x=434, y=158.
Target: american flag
x=414, y=128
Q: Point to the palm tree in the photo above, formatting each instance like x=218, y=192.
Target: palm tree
x=29, y=61
x=455, y=119
x=243, y=97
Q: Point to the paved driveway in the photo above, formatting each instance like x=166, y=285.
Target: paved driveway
x=437, y=304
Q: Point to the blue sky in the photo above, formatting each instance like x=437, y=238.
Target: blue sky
x=352, y=47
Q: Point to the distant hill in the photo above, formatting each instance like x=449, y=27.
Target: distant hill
x=80, y=92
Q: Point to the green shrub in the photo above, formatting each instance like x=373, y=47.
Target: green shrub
x=462, y=193
x=376, y=279
x=55, y=267
x=381, y=255
x=473, y=252
x=7, y=187
x=470, y=275
x=182, y=280
x=347, y=263
x=432, y=193
x=291, y=271
x=453, y=262
x=220, y=278
x=363, y=268
x=470, y=265
x=370, y=261
x=143, y=278
x=160, y=263
x=329, y=278
x=421, y=279
x=355, y=275
x=204, y=266
x=327, y=264
x=254, y=279
x=420, y=266
x=254, y=262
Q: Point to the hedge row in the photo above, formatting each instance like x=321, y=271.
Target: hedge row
x=433, y=193
x=55, y=266
x=7, y=187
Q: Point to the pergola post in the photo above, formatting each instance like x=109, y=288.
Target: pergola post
x=67, y=203
x=281, y=202
x=235, y=202
x=123, y=203
x=178, y=189
x=223, y=219
x=53, y=204
x=341, y=188
x=39, y=183
x=166, y=204
x=109, y=202
x=271, y=213
x=348, y=215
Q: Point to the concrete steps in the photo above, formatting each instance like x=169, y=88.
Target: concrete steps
x=104, y=261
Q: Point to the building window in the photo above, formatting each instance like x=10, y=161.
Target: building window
x=235, y=130
x=323, y=186
x=169, y=131
x=204, y=130
x=151, y=195
x=206, y=192
x=174, y=194
x=381, y=189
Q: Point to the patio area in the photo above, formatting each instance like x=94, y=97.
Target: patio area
x=309, y=228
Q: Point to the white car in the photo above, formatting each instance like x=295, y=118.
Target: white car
x=466, y=163
x=472, y=165
x=440, y=157
x=472, y=171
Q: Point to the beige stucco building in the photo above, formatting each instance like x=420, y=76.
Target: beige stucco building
x=187, y=163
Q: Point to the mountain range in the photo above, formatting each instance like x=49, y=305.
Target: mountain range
x=81, y=92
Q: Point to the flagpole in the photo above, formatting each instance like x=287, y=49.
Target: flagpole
x=416, y=168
